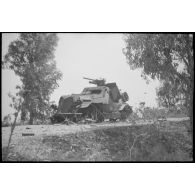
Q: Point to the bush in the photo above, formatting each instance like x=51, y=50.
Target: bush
x=152, y=113
x=6, y=121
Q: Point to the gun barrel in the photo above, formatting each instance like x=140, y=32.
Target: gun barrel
x=88, y=79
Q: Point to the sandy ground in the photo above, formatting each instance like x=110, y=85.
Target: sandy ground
x=60, y=129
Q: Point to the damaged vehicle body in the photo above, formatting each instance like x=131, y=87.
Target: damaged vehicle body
x=104, y=101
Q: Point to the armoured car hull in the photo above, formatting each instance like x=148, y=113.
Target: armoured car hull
x=94, y=103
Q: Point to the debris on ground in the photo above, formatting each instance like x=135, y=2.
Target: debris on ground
x=28, y=134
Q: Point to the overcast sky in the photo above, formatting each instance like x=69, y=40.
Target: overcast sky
x=87, y=55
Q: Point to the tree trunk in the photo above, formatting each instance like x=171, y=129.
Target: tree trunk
x=191, y=111
x=191, y=120
x=31, y=118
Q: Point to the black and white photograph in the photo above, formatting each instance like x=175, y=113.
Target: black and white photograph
x=97, y=97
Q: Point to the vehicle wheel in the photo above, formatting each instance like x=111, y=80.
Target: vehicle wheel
x=97, y=114
x=125, y=113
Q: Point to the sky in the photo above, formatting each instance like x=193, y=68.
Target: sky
x=78, y=55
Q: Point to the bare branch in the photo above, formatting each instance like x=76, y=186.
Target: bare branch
x=135, y=139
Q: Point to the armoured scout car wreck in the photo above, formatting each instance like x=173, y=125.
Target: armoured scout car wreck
x=104, y=101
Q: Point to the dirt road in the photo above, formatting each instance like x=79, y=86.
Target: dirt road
x=60, y=129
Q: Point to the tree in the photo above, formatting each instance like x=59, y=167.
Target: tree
x=17, y=105
x=167, y=57
x=170, y=95
x=31, y=57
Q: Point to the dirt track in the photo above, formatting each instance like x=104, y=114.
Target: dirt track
x=52, y=130
x=100, y=142
x=61, y=129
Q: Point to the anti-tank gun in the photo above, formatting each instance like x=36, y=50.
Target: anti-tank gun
x=98, y=82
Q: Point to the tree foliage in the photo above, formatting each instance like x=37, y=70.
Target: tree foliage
x=31, y=57
x=169, y=95
x=167, y=57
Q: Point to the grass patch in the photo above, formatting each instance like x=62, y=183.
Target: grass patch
x=135, y=143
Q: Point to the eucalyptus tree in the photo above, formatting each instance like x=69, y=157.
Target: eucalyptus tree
x=166, y=57
x=32, y=58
